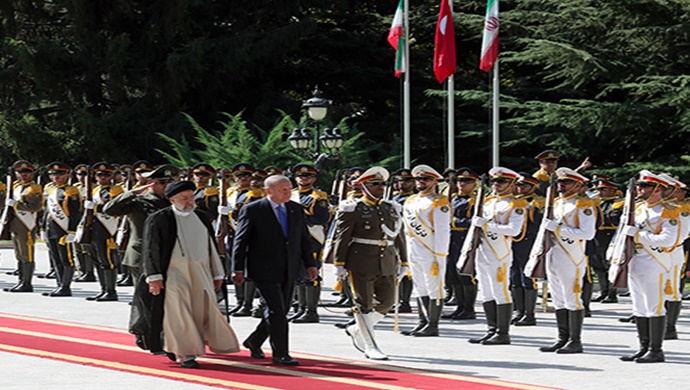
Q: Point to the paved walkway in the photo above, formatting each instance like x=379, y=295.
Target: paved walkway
x=605, y=338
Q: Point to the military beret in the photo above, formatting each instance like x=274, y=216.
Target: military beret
x=179, y=186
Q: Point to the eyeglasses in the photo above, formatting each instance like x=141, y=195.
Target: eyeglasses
x=243, y=174
x=103, y=174
x=642, y=184
x=423, y=179
x=24, y=171
x=465, y=180
x=82, y=173
x=500, y=181
x=377, y=183
x=202, y=174
x=566, y=181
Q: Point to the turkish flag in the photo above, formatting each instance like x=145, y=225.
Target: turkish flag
x=445, y=63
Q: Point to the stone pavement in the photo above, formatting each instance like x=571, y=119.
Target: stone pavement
x=604, y=338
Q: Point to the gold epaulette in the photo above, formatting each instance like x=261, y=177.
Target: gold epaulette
x=619, y=204
x=71, y=191
x=440, y=200
x=254, y=193
x=584, y=202
x=541, y=175
x=518, y=203
x=211, y=191
x=3, y=186
x=115, y=191
x=35, y=189
x=670, y=211
x=538, y=203
x=319, y=195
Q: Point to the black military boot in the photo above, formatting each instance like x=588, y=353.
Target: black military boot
x=459, y=299
x=405, y=294
x=65, y=282
x=672, y=313
x=469, y=296
x=110, y=283
x=518, y=294
x=576, y=319
x=612, y=296
x=502, y=336
x=27, y=272
x=310, y=316
x=422, y=307
x=530, y=307
x=450, y=298
x=657, y=328
x=126, y=279
x=587, y=298
x=86, y=267
x=431, y=329
x=301, y=292
x=101, y=282
x=491, y=321
x=642, y=324
x=562, y=321
x=602, y=277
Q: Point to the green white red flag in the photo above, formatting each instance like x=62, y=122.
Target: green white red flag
x=445, y=63
x=490, y=40
x=396, y=37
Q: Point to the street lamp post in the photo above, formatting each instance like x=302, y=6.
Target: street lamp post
x=330, y=139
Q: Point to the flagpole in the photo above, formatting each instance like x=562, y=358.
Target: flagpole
x=451, y=121
x=495, y=130
x=406, y=88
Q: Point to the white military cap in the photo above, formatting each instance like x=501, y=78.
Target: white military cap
x=564, y=173
x=646, y=176
x=374, y=173
x=424, y=170
x=503, y=173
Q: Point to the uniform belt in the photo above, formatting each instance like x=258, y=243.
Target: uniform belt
x=367, y=241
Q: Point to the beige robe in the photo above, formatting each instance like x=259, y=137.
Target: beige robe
x=191, y=318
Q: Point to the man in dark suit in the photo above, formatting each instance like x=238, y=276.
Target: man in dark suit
x=271, y=246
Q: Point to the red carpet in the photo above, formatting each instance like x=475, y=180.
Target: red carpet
x=114, y=349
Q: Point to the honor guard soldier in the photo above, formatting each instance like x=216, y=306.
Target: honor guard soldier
x=205, y=196
x=674, y=196
x=503, y=218
x=238, y=196
x=317, y=213
x=137, y=204
x=63, y=213
x=655, y=233
x=523, y=288
x=405, y=182
x=354, y=187
x=464, y=286
x=574, y=223
x=548, y=162
x=26, y=200
x=609, y=213
x=257, y=181
x=140, y=168
x=427, y=222
x=368, y=244
x=83, y=251
x=103, y=230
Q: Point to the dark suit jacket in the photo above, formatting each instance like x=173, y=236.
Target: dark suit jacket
x=261, y=250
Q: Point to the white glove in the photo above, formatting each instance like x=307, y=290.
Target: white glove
x=224, y=210
x=630, y=230
x=89, y=204
x=10, y=202
x=403, y=272
x=479, y=222
x=70, y=238
x=340, y=271
x=550, y=225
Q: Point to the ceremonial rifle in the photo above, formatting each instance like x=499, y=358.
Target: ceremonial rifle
x=222, y=221
x=84, y=233
x=452, y=188
x=471, y=243
x=8, y=212
x=536, y=265
x=624, y=245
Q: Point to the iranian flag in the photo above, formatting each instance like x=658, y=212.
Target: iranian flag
x=490, y=40
x=396, y=37
x=445, y=63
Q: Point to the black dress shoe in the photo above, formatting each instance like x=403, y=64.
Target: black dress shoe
x=256, y=352
x=285, y=361
x=189, y=364
x=171, y=356
x=343, y=325
x=96, y=297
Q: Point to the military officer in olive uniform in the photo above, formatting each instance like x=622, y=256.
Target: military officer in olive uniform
x=405, y=183
x=464, y=286
x=26, y=201
x=62, y=215
x=83, y=251
x=548, y=163
x=206, y=196
x=137, y=204
x=369, y=247
x=609, y=213
x=317, y=213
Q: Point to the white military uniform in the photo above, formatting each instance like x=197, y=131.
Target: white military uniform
x=506, y=217
x=427, y=222
x=650, y=270
x=566, y=262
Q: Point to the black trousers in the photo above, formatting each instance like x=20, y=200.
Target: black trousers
x=278, y=296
